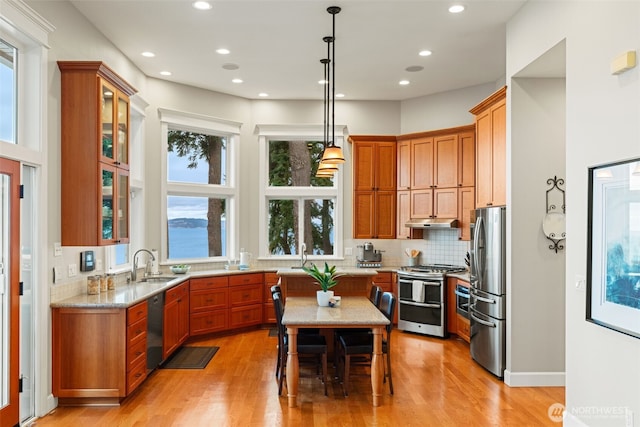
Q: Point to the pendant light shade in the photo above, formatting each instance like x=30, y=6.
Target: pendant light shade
x=333, y=155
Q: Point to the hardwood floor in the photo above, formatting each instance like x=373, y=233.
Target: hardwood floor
x=435, y=383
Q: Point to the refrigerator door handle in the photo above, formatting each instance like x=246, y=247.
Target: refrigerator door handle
x=487, y=300
x=476, y=247
x=477, y=319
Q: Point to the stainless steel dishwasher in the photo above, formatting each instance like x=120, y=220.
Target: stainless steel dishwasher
x=154, y=330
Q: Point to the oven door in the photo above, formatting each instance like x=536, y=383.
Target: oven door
x=425, y=316
x=462, y=301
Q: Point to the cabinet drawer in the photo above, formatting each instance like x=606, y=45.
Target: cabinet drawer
x=137, y=331
x=268, y=313
x=245, y=295
x=271, y=278
x=136, y=312
x=209, y=283
x=245, y=279
x=207, y=322
x=245, y=316
x=382, y=277
x=136, y=375
x=176, y=293
x=206, y=300
x=136, y=352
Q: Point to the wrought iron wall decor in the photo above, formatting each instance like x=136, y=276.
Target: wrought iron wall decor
x=553, y=224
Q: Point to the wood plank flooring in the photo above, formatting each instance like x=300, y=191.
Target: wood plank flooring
x=435, y=383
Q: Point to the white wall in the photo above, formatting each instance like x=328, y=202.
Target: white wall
x=443, y=110
x=536, y=273
x=602, y=125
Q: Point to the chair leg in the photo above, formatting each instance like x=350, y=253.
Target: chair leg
x=345, y=375
x=281, y=375
x=324, y=372
x=389, y=372
x=278, y=362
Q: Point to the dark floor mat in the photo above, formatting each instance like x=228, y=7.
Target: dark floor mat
x=190, y=358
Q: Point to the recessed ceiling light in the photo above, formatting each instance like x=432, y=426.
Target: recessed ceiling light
x=263, y=94
x=230, y=66
x=201, y=5
x=414, y=68
x=425, y=53
x=223, y=51
x=456, y=8
x=165, y=73
x=148, y=54
x=403, y=82
x=237, y=80
x=339, y=95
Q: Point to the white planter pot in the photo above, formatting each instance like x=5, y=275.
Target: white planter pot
x=323, y=298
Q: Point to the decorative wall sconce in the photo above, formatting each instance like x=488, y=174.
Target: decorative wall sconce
x=553, y=224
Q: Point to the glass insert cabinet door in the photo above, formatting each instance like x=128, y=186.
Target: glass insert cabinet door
x=114, y=139
x=115, y=205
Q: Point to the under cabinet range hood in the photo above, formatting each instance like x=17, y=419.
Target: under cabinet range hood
x=432, y=223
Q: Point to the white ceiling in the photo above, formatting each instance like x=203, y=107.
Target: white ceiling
x=277, y=44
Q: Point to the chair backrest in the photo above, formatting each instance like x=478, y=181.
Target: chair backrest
x=388, y=307
x=276, y=289
x=375, y=294
x=279, y=309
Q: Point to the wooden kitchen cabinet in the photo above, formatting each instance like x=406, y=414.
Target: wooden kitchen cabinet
x=452, y=314
x=94, y=154
x=374, y=184
x=403, y=150
x=175, y=329
x=268, y=312
x=245, y=299
x=440, y=163
x=466, y=204
x=208, y=305
x=83, y=372
x=491, y=161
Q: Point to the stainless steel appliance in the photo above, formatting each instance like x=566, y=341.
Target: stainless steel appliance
x=368, y=257
x=421, y=293
x=487, y=305
x=155, y=320
x=462, y=301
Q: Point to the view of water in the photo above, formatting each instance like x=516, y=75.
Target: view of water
x=188, y=243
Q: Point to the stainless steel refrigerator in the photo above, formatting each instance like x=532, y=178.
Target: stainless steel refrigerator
x=487, y=304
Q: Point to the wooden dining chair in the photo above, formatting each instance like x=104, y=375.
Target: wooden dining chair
x=350, y=345
x=375, y=294
x=308, y=345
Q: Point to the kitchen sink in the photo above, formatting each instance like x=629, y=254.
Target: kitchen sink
x=156, y=279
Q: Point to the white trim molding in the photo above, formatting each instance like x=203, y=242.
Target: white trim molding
x=534, y=379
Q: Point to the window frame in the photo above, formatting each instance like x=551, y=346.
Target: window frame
x=267, y=133
x=192, y=122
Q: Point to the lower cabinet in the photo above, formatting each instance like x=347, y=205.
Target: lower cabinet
x=209, y=305
x=268, y=312
x=83, y=372
x=175, y=329
x=245, y=300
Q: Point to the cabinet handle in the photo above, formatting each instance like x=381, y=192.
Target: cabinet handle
x=138, y=375
x=116, y=163
x=138, y=353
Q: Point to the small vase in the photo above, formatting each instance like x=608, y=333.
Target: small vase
x=324, y=297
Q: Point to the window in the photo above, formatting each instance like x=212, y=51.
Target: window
x=298, y=207
x=200, y=187
x=8, y=85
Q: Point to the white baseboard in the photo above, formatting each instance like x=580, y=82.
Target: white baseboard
x=534, y=379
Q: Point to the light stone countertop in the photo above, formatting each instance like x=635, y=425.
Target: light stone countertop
x=352, y=312
x=130, y=294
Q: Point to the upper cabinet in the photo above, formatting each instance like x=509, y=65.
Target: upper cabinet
x=374, y=185
x=94, y=154
x=435, y=171
x=491, y=129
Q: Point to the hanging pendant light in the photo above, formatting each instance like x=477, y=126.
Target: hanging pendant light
x=326, y=170
x=332, y=153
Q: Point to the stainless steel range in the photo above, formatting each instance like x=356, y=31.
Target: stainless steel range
x=421, y=293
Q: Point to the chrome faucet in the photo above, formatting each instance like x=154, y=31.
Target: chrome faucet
x=303, y=254
x=134, y=267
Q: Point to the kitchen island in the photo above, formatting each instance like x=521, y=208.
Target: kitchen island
x=351, y=282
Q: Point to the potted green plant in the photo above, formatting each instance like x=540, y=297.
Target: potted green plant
x=326, y=279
